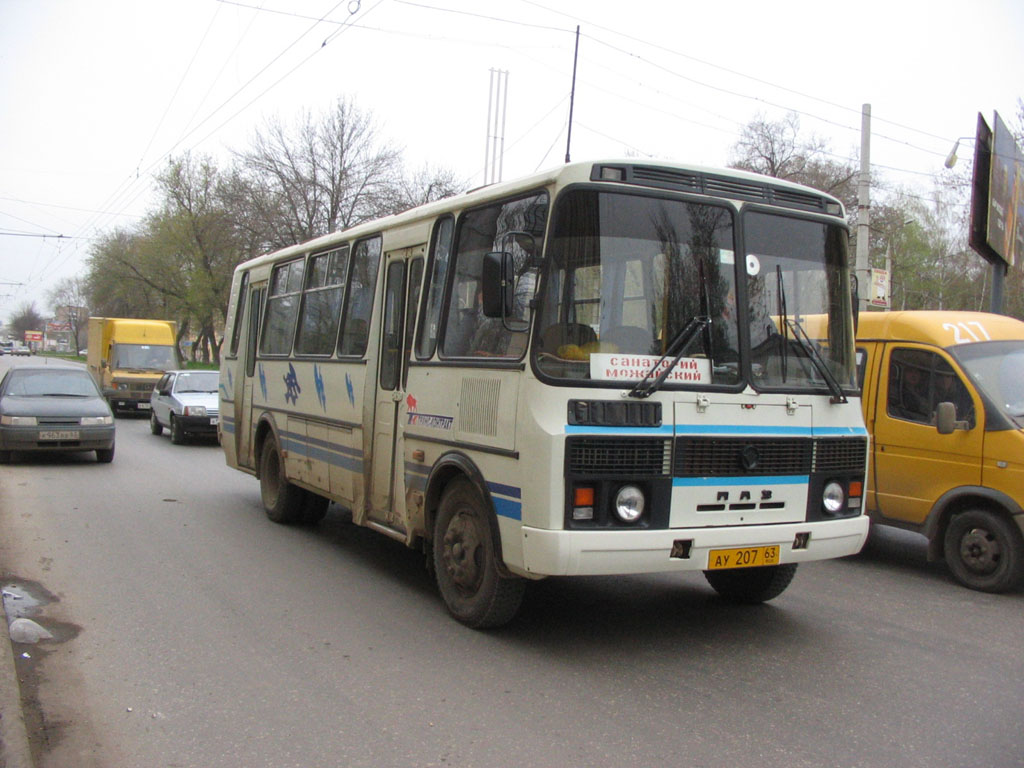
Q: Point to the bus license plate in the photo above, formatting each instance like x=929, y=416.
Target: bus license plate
x=66, y=434
x=747, y=557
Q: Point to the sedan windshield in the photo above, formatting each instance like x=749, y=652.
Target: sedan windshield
x=53, y=383
x=201, y=381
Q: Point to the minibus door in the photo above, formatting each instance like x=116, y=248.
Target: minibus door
x=403, y=273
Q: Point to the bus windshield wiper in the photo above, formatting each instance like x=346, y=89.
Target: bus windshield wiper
x=801, y=337
x=645, y=387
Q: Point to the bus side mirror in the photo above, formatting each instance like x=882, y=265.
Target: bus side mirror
x=945, y=418
x=498, y=276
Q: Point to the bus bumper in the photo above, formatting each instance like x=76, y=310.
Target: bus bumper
x=605, y=553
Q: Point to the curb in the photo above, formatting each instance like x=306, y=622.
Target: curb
x=14, y=749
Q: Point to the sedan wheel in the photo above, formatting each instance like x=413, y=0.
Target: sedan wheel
x=155, y=426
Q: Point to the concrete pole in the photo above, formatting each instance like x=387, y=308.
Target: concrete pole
x=864, y=204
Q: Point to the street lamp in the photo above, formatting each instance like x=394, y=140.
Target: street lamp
x=951, y=158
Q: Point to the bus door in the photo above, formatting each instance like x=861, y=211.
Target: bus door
x=403, y=273
x=243, y=398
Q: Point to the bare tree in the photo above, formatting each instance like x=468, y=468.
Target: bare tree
x=326, y=172
x=25, y=318
x=69, y=302
x=777, y=148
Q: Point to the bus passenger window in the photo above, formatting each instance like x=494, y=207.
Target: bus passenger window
x=282, y=306
x=438, y=273
x=359, y=302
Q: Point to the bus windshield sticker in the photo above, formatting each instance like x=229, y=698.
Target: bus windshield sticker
x=619, y=367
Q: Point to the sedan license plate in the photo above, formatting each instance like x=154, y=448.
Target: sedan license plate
x=745, y=557
x=214, y=420
x=62, y=434
x=144, y=406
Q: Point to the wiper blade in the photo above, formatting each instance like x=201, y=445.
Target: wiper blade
x=801, y=337
x=645, y=387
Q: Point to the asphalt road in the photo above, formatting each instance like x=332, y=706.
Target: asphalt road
x=191, y=631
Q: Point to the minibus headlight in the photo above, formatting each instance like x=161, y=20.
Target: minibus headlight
x=629, y=504
x=833, y=498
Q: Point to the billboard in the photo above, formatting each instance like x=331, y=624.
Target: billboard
x=997, y=200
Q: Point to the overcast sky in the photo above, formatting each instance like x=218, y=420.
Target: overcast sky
x=95, y=95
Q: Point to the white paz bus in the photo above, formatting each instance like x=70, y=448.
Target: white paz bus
x=601, y=369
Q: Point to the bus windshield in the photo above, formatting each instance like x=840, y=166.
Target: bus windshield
x=633, y=279
x=798, y=291
x=626, y=275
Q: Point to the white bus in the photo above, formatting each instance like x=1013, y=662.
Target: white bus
x=601, y=369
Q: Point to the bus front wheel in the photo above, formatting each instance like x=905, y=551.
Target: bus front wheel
x=752, y=585
x=283, y=502
x=465, y=561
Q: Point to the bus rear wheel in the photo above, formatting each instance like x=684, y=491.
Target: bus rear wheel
x=985, y=551
x=283, y=502
x=465, y=561
x=752, y=585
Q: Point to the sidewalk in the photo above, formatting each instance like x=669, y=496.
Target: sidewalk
x=14, y=749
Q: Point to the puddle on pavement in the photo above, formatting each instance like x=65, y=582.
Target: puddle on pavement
x=27, y=600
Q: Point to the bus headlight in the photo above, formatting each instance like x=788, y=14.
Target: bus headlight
x=833, y=498
x=629, y=504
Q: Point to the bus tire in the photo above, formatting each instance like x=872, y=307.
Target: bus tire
x=984, y=551
x=283, y=502
x=465, y=561
x=752, y=585
x=314, y=508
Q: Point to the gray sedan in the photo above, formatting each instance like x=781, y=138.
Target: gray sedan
x=54, y=408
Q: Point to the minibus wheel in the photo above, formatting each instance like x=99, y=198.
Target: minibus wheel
x=465, y=561
x=752, y=585
x=984, y=551
x=282, y=501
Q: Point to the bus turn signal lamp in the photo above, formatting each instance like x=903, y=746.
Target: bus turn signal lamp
x=583, y=504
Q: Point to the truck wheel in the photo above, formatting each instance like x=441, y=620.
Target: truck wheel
x=155, y=426
x=177, y=431
x=752, y=585
x=282, y=501
x=465, y=561
x=984, y=551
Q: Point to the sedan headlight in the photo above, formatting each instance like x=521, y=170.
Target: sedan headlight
x=18, y=421
x=195, y=410
x=96, y=421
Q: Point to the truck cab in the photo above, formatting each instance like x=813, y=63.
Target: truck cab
x=943, y=400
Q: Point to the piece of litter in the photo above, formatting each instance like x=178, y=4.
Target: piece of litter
x=27, y=631
x=26, y=656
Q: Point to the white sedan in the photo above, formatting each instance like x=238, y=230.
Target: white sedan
x=185, y=402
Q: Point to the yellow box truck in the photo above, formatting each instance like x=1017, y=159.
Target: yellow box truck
x=943, y=399
x=127, y=356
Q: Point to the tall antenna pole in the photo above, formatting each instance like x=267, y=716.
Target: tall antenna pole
x=497, y=104
x=572, y=93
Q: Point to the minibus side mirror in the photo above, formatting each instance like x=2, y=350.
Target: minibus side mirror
x=945, y=419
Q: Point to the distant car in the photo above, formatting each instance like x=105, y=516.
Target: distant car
x=54, y=408
x=6, y=347
x=185, y=402
x=21, y=350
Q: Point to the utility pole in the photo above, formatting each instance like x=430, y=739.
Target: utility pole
x=864, y=205
x=497, y=102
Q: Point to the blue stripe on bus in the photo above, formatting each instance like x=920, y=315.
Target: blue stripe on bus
x=508, y=508
x=691, y=482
